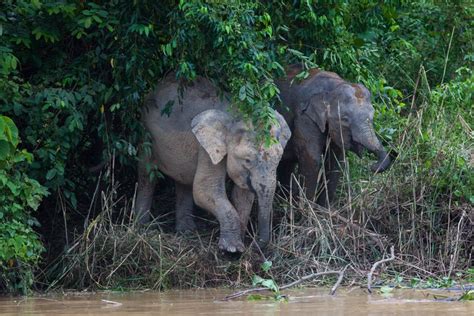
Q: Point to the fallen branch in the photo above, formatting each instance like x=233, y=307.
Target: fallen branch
x=339, y=281
x=294, y=283
x=115, y=304
x=372, y=270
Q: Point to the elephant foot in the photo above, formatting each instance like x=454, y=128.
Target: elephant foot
x=231, y=244
x=186, y=226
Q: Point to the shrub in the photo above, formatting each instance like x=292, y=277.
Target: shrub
x=20, y=247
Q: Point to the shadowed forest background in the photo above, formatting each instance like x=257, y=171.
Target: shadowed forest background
x=73, y=75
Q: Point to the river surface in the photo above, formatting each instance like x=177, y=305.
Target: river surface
x=209, y=302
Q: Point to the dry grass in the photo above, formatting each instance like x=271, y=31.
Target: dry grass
x=306, y=239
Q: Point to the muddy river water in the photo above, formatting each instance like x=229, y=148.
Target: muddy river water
x=209, y=302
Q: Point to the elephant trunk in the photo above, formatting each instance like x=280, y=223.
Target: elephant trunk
x=265, y=207
x=383, y=161
x=370, y=141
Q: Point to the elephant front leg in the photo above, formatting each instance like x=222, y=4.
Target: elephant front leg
x=184, y=208
x=209, y=193
x=309, y=144
x=310, y=167
x=332, y=167
x=243, y=200
x=145, y=191
x=230, y=229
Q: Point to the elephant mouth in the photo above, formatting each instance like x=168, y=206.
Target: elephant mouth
x=250, y=186
x=357, y=148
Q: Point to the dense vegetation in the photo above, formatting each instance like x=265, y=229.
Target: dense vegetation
x=73, y=74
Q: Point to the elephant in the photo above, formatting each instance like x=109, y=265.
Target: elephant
x=200, y=144
x=328, y=116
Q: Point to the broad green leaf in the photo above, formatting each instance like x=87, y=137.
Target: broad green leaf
x=51, y=174
x=270, y=284
x=386, y=289
x=467, y=296
x=256, y=280
x=8, y=130
x=87, y=22
x=2, y=128
x=5, y=149
x=266, y=265
x=242, y=93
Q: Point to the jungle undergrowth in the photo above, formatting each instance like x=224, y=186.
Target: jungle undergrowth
x=73, y=76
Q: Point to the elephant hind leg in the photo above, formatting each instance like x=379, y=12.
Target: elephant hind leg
x=284, y=171
x=145, y=190
x=184, y=208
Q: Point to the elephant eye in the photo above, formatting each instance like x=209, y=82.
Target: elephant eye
x=344, y=118
x=248, y=162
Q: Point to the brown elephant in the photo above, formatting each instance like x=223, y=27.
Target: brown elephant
x=327, y=116
x=198, y=145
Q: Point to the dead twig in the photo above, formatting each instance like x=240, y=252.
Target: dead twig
x=294, y=283
x=372, y=270
x=339, y=281
x=113, y=303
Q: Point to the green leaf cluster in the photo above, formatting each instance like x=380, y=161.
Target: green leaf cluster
x=74, y=73
x=20, y=247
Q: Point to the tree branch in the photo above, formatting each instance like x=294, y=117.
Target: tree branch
x=372, y=270
x=294, y=283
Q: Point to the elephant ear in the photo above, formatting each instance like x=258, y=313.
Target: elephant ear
x=317, y=108
x=210, y=128
x=284, y=131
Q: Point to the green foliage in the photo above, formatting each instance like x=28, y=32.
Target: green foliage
x=86, y=66
x=467, y=296
x=470, y=275
x=20, y=246
x=266, y=265
x=241, y=38
x=444, y=140
x=269, y=284
x=386, y=291
x=381, y=45
x=432, y=283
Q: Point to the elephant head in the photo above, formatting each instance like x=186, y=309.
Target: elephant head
x=250, y=166
x=347, y=113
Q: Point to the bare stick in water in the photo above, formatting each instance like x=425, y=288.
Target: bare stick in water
x=372, y=270
x=294, y=283
x=339, y=281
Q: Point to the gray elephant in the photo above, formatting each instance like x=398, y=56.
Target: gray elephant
x=198, y=145
x=325, y=107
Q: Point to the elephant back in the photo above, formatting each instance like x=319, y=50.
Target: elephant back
x=173, y=104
